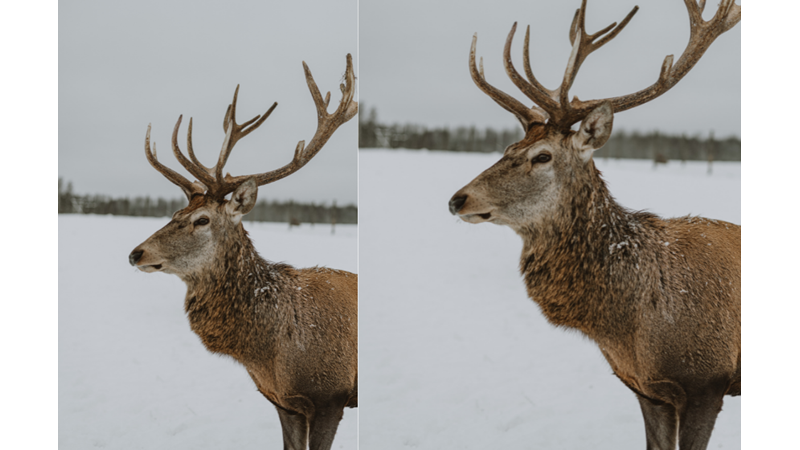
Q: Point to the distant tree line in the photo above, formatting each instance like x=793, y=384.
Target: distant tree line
x=654, y=145
x=372, y=134
x=661, y=147
x=264, y=211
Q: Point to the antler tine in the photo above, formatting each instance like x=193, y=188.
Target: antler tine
x=702, y=35
x=525, y=115
x=540, y=95
x=190, y=149
x=732, y=16
x=234, y=132
x=186, y=186
x=569, y=75
x=615, y=31
x=227, y=115
x=198, y=171
x=584, y=44
x=319, y=103
x=526, y=61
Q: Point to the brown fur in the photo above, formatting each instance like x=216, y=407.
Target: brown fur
x=294, y=330
x=660, y=297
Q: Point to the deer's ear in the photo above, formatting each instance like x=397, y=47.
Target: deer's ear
x=242, y=200
x=594, y=131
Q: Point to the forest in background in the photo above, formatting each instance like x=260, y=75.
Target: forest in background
x=654, y=145
x=264, y=211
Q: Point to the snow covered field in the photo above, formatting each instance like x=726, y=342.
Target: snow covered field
x=452, y=352
x=132, y=375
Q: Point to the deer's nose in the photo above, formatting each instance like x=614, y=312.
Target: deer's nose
x=135, y=256
x=456, y=203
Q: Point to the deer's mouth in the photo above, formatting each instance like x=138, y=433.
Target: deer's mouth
x=477, y=217
x=150, y=268
x=470, y=208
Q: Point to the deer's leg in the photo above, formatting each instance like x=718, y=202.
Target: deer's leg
x=660, y=424
x=323, y=427
x=697, y=421
x=295, y=429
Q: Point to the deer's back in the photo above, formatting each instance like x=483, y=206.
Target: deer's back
x=705, y=258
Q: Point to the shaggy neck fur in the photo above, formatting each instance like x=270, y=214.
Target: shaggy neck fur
x=585, y=258
x=235, y=304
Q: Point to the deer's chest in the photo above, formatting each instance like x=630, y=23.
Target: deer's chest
x=218, y=323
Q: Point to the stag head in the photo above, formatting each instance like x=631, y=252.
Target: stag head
x=553, y=161
x=194, y=237
x=190, y=241
x=535, y=175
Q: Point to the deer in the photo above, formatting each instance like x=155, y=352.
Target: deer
x=294, y=330
x=660, y=297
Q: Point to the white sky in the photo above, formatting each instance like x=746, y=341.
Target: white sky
x=414, y=62
x=123, y=65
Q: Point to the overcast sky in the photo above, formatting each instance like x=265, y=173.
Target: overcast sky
x=123, y=65
x=414, y=61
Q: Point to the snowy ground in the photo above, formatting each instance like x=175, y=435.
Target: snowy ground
x=452, y=352
x=132, y=375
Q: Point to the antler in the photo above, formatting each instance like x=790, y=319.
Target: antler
x=187, y=186
x=554, y=104
x=700, y=38
x=219, y=186
x=326, y=125
x=526, y=116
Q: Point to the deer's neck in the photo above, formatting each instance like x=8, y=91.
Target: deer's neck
x=236, y=306
x=585, y=264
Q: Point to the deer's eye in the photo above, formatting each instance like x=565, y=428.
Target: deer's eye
x=541, y=158
x=201, y=221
